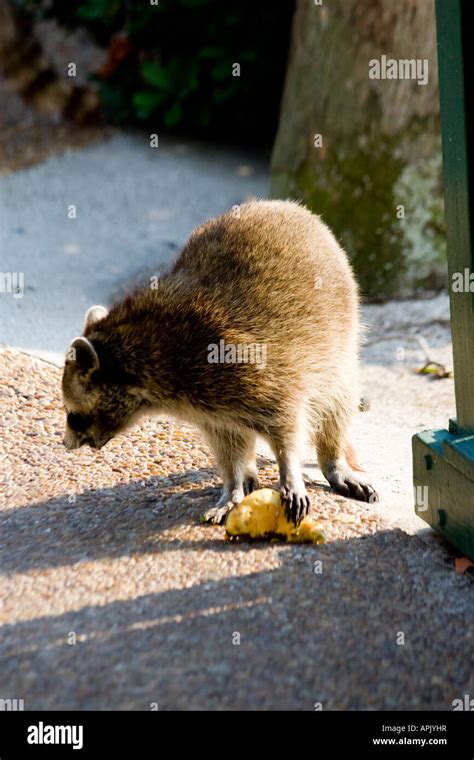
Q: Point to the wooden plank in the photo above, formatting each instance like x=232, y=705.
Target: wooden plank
x=457, y=113
x=443, y=461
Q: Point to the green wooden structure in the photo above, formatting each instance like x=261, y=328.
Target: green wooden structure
x=443, y=460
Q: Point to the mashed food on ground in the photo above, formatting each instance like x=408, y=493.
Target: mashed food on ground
x=261, y=514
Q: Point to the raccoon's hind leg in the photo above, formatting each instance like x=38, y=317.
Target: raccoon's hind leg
x=329, y=435
x=234, y=451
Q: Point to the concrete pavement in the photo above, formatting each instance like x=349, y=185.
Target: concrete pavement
x=114, y=596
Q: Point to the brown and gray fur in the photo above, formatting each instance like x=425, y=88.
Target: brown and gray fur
x=274, y=276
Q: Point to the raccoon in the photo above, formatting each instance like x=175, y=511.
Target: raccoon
x=26, y=68
x=268, y=274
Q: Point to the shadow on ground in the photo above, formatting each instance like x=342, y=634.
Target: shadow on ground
x=104, y=523
x=375, y=622
x=127, y=519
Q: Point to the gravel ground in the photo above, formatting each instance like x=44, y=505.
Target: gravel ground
x=115, y=597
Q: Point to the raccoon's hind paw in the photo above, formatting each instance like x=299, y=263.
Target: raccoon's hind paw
x=349, y=485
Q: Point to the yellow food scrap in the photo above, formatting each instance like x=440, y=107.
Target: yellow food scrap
x=344, y=518
x=262, y=514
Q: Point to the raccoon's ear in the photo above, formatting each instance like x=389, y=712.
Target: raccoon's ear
x=93, y=315
x=83, y=354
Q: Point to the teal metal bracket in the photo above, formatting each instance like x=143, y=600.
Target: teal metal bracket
x=443, y=477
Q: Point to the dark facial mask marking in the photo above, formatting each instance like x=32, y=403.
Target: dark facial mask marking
x=78, y=422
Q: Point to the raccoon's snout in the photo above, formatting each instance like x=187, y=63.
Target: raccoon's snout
x=99, y=444
x=72, y=443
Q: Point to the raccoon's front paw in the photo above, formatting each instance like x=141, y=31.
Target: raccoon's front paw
x=296, y=503
x=349, y=485
x=216, y=515
x=251, y=482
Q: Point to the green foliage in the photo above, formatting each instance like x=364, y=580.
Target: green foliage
x=177, y=69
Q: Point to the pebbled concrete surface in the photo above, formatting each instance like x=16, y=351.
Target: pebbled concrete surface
x=115, y=597
x=107, y=546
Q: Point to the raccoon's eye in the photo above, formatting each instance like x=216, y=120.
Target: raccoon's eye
x=78, y=422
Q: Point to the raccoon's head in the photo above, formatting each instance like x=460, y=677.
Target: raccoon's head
x=100, y=397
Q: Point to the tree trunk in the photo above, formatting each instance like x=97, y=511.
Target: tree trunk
x=365, y=152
